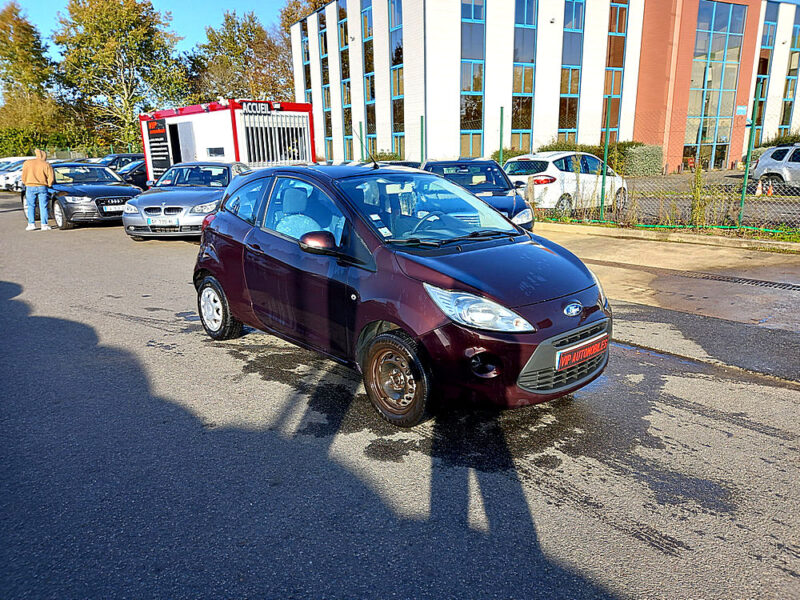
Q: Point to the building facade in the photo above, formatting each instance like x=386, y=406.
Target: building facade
x=455, y=78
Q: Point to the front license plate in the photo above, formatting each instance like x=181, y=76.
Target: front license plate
x=114, y=208
x=162, y=221
x=575, y=355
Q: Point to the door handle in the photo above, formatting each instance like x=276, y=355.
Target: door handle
x=255, y=248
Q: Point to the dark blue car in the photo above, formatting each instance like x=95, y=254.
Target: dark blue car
x=488, y=181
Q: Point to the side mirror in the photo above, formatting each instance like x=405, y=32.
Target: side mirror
x=519, y=184
x=150, y=183
x=318, y=242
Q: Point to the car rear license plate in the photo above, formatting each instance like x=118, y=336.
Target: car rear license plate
x=114, y=208
x=162, y=221
x=584, y=351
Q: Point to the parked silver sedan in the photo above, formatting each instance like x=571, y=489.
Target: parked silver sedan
x=179, y=201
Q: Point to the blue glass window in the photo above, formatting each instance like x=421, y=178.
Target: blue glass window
x=396, y=62
x=571, y=55
x=473, y=28
x=524, y=71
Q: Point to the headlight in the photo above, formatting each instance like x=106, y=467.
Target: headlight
x=603, y=298
x=474, y=311
x=202, y=209
x=130, y=209
x=77, y=199
x=523, y=217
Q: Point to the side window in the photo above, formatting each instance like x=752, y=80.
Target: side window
x=591, y=165
x=296, y=208
x=245, y=202
x=566, y=164
x=795, y=157
x=779, y=154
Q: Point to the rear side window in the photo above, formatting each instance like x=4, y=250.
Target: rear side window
x=246, y=201
x=779, y=154
x=591, y=165
x=525, y=167
x=568, y=164
x=795, y=157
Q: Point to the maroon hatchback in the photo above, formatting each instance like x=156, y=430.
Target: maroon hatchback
x=406, y=277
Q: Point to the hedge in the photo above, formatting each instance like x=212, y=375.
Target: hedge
x=644, y=161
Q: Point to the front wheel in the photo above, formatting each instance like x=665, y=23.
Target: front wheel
x=215, y=314
x=59, y=217
x=396, y=379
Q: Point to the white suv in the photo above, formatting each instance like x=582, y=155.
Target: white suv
x=779, y=165
x=566, y=180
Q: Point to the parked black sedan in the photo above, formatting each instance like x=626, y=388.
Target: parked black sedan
x=86, y=193
x=116, y=161
x=135, y=173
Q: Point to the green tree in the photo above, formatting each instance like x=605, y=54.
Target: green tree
x=23, y=60
x=243, y=59
x=294, y=10
x=119, y=58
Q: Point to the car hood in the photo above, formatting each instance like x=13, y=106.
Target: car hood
x=96, y=190
x=533, y=271
x=189, y=196
x=507, y=201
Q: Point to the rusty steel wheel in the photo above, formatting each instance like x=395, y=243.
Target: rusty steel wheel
x=395, y=378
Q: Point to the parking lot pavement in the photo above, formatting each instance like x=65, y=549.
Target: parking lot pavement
x=142, y=458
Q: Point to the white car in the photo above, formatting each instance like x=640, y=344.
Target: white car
x=10, y=176
x=567, y=180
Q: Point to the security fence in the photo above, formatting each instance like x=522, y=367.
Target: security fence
x=695, y=199
x=76, y=152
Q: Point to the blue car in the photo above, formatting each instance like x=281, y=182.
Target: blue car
x=489, y=182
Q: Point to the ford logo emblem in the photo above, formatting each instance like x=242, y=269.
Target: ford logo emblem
x=573, y=310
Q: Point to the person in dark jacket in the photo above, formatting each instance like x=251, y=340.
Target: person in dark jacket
x=38, y=177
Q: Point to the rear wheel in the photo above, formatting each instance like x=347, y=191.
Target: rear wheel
x=772, y=178
x=59, y=217
x=564, y=205
x=396, y=379
x=215, y=314
x=619, y=200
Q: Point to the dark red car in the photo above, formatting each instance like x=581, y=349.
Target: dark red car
x=406, y=277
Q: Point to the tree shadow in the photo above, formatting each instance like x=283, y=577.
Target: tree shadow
x=110, y=490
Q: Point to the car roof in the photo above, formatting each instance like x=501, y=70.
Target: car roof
x=459, y=161
x=329, y=172
x=81, y=164
x=205, y=163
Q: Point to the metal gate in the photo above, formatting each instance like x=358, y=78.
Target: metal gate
x=277, y=138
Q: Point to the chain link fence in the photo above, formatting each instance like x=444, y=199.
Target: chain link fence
x=78, y=152
x=695, y=199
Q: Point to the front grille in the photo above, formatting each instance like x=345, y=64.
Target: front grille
x=575, y=337
x=550, y=379
x=173, y=210
x=152, y=210
x=111, y=201
x=83, y=215
x=191, y=228
x=165, y=229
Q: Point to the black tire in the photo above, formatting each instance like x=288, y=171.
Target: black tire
x=772, y=177
x=564, y=205
x=216, y=317
x=396, y=379
x=59, y=216
x=620, y=200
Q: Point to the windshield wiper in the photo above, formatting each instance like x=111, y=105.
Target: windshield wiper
x=480, y=234
x=414, y=242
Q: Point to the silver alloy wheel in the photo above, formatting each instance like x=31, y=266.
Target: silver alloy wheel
x=211, y=308
x=58, y=214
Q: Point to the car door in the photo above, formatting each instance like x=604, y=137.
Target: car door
x=569, y=171
x=303, y=296
x=791, y=170
x=592, y=175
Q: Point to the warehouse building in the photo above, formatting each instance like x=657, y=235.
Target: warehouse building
x=451, y=78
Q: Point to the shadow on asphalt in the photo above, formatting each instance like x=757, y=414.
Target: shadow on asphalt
x=111, y=491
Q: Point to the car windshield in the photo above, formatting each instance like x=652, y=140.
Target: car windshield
x=474, y=177
x=130, y=167
x=202, y=176
x=525, y=167
x=413, y=208
x=84, y=174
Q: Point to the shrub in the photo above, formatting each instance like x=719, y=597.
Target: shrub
x=507, y=153
x=789, y=138
x=644, y=161
x=383, y=155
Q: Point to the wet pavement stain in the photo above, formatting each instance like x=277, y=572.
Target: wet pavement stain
x=601, y=422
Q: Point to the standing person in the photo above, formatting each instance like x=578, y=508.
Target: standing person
x=38, y=177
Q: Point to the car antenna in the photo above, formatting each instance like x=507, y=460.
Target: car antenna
x=375, y=164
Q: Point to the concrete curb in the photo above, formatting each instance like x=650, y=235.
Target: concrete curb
x=667, y=236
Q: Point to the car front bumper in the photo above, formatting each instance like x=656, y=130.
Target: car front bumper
x=88, y=212
x=513, y=370
x=181, y=225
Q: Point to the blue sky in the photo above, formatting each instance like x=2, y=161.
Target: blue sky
x=189, y=17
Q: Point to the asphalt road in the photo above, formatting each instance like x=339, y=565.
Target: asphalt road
x=142, y=459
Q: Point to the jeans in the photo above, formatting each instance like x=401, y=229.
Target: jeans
x=41, y=192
